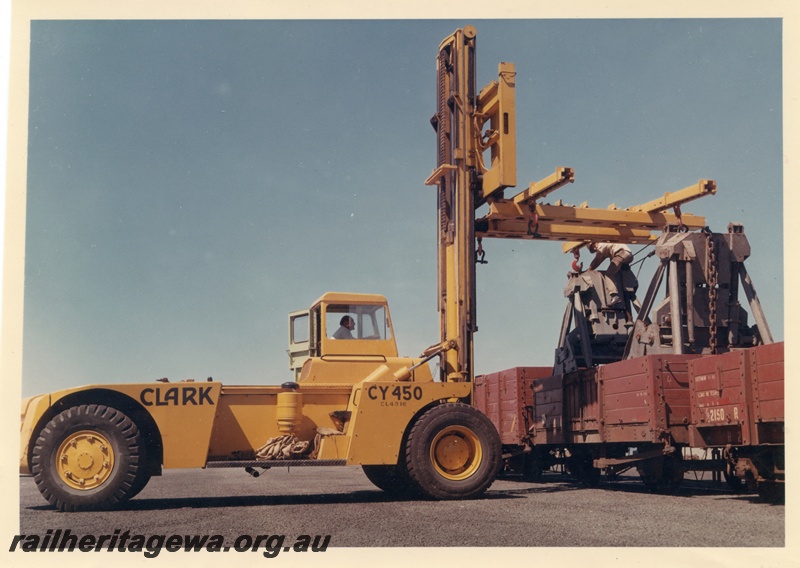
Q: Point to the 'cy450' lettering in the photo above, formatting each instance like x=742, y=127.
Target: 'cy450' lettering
x=176, y=396
x=405, y=392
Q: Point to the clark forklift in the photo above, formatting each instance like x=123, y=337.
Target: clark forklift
x=352, y=401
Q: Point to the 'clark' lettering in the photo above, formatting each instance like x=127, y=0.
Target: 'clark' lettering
x=176, y=396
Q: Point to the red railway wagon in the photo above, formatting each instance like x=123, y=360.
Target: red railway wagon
x=627, y=414
x=641, y=400
x=737, y=403
x=506, y=398
x=642, y=413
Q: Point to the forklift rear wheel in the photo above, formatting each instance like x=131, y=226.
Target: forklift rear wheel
x=89, y=457
x=453, y=452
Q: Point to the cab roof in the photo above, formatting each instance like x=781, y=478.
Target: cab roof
x=350, y=298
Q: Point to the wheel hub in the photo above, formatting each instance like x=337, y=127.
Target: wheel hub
x=456, y=453
x=452, y=453
x=85, y=460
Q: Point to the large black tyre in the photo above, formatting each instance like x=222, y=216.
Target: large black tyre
x=142, y=479
x=89, y=457
x=393, y=479
x=453, y=452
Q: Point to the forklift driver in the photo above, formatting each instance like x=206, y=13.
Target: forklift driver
x=346, y=325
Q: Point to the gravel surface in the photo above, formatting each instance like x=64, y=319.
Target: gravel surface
x=341, y=502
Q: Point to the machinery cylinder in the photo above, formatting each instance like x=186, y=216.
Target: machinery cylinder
x=290, y=408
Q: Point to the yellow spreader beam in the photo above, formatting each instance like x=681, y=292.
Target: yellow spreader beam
x=521, y=217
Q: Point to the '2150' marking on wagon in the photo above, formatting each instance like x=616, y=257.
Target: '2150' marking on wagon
x=176, y=396
x=719, y=415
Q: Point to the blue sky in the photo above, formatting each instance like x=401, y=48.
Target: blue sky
x=191, y=182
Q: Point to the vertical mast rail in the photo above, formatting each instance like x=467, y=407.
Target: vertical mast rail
x=456, y=179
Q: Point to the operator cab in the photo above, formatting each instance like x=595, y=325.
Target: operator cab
x=339, y=324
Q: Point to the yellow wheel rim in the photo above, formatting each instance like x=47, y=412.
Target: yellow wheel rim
x=456, y=453
x=85, y=460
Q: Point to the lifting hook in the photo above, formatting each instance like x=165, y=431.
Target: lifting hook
x=577, y=266
x=480, y=254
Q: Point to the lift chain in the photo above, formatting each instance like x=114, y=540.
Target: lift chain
x=712, y=291
x=533, y=222
x=681, y=226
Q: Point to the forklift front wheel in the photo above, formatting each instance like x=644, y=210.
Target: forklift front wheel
x=453, y=452
x=393, y=479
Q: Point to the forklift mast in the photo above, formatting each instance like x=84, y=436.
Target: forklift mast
x=465, y=182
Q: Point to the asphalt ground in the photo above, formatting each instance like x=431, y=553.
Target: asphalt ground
x=342, y=503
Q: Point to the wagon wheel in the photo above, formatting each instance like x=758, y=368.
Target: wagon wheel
x=582, y=467
x=528, y=465
x=772, y=491
x=532, y=468
x=662, y=475
x=733, y=482
x=89, y=457
x=453, y=452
